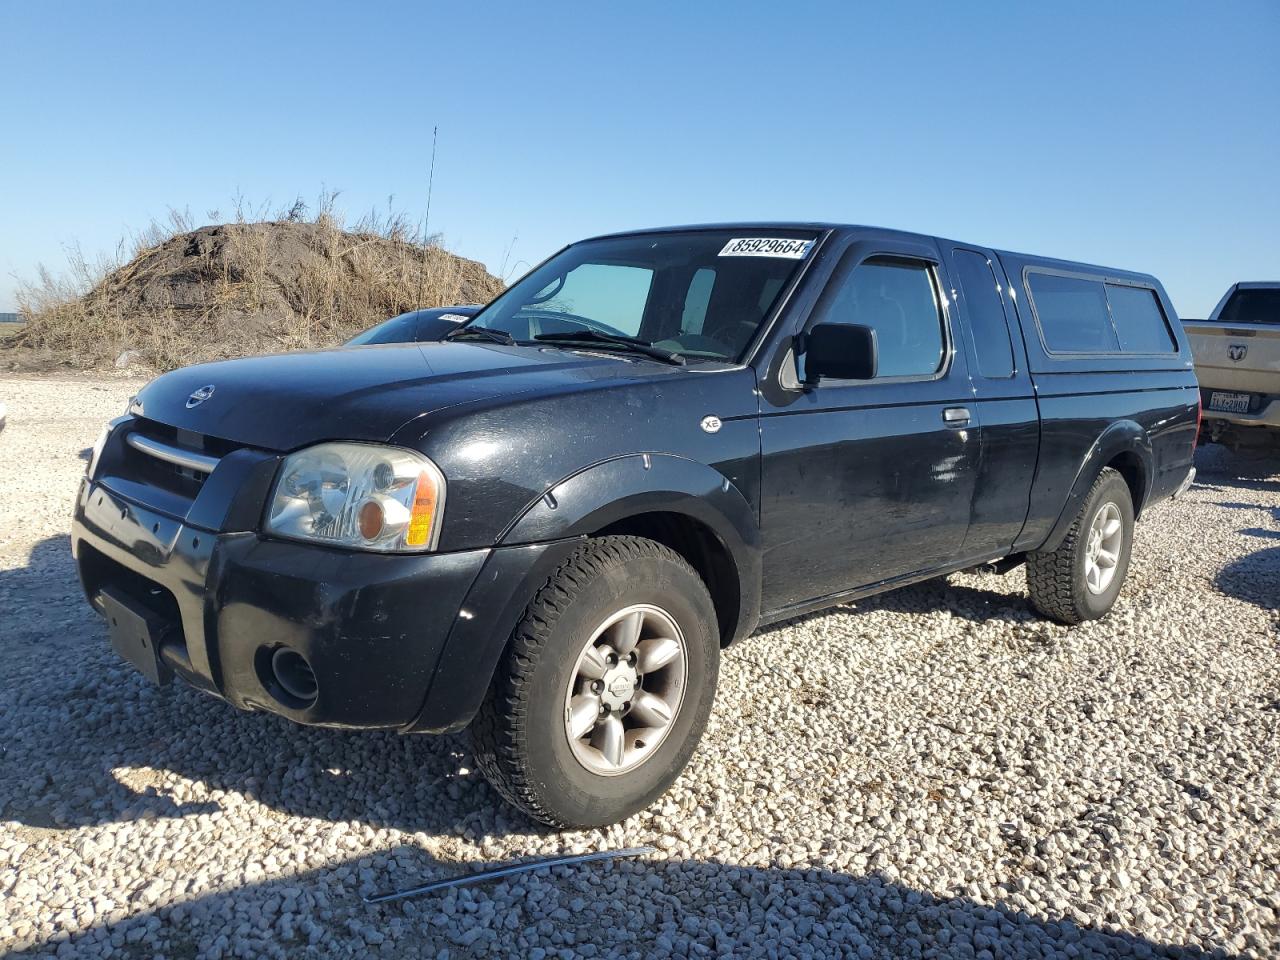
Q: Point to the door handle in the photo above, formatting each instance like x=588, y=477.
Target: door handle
x=955, y=416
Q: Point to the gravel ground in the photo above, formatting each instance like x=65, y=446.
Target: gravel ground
x=935, y=772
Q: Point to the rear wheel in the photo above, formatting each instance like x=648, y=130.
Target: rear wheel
x=1081, y=579
x=606, y=688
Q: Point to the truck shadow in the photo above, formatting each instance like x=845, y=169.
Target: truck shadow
x=978, y=604
x=672, y=907
x=94, y=743
x=1218, y=468
x=88, y=741
x=1006, y=602
x=1255, y=577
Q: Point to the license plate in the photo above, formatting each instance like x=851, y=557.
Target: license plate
x=1229, y=402
x=136, y=635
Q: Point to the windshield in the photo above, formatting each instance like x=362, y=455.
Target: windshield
x=699, y=294
x=1253, y=305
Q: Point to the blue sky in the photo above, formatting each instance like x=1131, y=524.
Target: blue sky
x=1144, y=136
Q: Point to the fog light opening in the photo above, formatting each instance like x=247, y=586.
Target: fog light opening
x=294, y=675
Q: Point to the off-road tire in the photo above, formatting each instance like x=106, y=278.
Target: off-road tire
x=1056, y=578
x=520, y=742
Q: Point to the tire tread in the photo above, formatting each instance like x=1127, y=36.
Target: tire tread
x=500, y=729
x=1051, y=581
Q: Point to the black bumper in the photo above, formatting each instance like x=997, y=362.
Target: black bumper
x=379, y=632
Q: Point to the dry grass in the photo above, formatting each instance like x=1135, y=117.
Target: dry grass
x=10, y=329
x=261, y=283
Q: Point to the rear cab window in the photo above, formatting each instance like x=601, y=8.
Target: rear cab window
x=1140, y=322
x=1088, y=315
x=1072, y=312
x=1252, y=305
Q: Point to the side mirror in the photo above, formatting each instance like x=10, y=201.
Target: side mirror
x=842, y=351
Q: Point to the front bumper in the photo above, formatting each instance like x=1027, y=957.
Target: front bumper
x=373, y=627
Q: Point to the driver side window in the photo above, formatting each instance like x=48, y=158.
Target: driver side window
x=607, y=293
x=896, y=298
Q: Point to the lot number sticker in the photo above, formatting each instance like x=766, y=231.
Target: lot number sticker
x=767, y=247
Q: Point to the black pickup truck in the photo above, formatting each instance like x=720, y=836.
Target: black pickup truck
x=549, y=525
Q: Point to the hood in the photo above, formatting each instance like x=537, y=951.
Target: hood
x=287, y=401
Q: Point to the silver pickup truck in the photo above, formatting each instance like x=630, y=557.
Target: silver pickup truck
x=1237, y=357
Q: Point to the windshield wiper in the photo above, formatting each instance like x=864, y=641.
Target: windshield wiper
x=481, y=333
x=600, y=338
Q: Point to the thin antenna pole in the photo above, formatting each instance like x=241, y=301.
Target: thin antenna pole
x=426, y=219
x=431, y=179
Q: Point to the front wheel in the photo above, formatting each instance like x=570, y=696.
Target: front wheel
x=606, y=687
x=1081, y=579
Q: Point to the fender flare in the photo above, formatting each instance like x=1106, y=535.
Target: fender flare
x=1120, y=437
x=548, y=530
x=616, y=490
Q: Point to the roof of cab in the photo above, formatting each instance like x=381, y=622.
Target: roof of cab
x=742, y=226
x=729, y=225
x=823, y=225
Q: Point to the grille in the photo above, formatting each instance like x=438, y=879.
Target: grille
x=175, y=460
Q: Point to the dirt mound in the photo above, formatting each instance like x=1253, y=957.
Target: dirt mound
x=242, y=288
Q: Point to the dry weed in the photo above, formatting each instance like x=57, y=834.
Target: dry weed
x=263, y=283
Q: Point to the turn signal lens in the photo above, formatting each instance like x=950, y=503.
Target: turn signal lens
x=371, y=518
x=423, y=516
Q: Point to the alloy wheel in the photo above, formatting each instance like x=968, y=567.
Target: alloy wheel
x=1102, y=550
x=626, y=689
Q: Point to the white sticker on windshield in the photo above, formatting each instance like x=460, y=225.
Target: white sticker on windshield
x=455, y=317
x=767, y=247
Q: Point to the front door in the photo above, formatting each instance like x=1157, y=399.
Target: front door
x=868, y=481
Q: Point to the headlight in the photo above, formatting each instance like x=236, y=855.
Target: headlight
x=359, y=495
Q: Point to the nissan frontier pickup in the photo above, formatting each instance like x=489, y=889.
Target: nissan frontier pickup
x=547, y=526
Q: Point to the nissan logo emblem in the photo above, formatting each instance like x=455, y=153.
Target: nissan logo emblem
x=199, y=396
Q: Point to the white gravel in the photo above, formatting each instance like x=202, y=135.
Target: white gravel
x=934, y=772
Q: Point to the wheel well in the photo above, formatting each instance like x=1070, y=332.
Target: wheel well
x=704, y=551
x=1129, y=466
